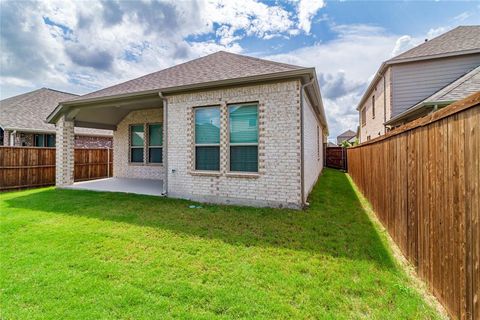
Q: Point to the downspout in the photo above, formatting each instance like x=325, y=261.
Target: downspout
x=302, y=179
x=165, y=142
x=384, y=104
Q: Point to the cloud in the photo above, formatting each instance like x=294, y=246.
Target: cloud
x=306, y=10
x=90, y=57
x=344, y=67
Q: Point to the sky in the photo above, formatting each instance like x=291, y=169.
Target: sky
x=83, y=46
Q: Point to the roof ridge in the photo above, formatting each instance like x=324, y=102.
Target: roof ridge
x=60, y=91
x=263, y=60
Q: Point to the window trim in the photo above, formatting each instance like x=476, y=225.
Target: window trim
x=130, y=147
x=246, y=173
x=363, y=117
x=148, y=147
x=194, y=160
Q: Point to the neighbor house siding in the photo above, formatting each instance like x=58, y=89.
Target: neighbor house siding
x=313, y=147
x=413, y=82
x=374, y=126
x=122, y=168
x=278, y=182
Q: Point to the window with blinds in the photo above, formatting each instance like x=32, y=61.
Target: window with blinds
x=137, y=143
x=207, y=138
x=243, y=130
x=155, y=143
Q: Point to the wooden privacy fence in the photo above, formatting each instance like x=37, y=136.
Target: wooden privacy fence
x=28, y=167
x=423, y=181
x=336, y=157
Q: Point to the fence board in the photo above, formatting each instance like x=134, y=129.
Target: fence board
x=27, y=167
x=423, y=181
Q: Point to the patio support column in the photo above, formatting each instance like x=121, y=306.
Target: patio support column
x=65, y=141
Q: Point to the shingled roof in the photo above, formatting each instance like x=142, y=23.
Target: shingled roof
x=29, y=111
x=459, y=40
x=214, y=67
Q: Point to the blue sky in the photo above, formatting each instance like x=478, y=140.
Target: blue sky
x=83, y=46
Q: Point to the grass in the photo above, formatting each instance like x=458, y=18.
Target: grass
x=69, y=254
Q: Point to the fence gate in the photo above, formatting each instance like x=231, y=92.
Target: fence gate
x=336, y=157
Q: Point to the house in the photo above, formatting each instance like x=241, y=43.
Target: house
x=224, y=128
x=348, y=135
x=421, y=80
x=22, y=122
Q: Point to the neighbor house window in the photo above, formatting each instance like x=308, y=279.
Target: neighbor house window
x=155, y=143
x=44, y=140
x=364, y=116
x=243, y=125
x=137, y=143
x=373, y=107
x=207, y=138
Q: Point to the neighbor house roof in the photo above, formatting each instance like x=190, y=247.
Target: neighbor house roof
x=28, y=112
x=214, y=67
x=211, y=71
x=463, y=39
x=348, y=133
x=457, y=90
x=459, y=41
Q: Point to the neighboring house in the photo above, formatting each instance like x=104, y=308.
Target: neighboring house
x=348, y=135
x=421, y=80
x=331, y=145
x=223, y=128
x=22, y=122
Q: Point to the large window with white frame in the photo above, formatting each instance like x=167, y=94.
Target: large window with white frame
x=155, y=143
x=207, y=138
x=146, y=143
x=243, y=133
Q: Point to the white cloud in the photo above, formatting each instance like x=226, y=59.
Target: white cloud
x=306, y=10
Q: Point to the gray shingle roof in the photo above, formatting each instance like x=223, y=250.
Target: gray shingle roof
x=348, y=133
x=214, y=67
x=459, y=89
x=29, y=111
x=463, y=38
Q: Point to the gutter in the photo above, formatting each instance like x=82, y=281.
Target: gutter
x=165, y=141
x=417, y=108
x=302, y=137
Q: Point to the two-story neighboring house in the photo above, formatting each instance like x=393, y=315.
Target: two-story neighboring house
x=421, y=80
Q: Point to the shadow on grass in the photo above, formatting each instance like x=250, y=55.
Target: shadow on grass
x=335, y=224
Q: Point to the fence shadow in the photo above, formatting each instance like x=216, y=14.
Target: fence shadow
x=335, y=224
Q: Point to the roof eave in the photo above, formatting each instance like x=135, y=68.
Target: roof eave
x=53, y=117
x=417, y=107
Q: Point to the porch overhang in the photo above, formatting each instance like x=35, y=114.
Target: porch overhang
x=105, y=113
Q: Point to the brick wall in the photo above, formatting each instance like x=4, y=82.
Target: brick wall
x=374, y=125
x=121, y=166
x=278, y=180
x=28, y=139
x=93, y=142
x=312, y=149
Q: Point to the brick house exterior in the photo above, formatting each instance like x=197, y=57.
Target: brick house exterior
x=290, y=127
x=22, y=122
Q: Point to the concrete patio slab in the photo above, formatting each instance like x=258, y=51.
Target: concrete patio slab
x=127, y=185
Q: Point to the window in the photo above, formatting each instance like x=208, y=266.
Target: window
x=207, y=138
x=137, y=143
x=364, y=116
x=44, y=140
x=155, y=143
x=373, y=107
x=243, y=125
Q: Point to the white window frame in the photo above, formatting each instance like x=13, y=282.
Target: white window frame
x=195, y=145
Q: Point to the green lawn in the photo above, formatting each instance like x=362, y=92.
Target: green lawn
x=84, y=255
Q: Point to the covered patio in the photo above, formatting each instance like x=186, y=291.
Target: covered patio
x=126, y=185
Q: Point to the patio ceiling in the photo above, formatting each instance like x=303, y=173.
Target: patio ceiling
x=108, y=114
